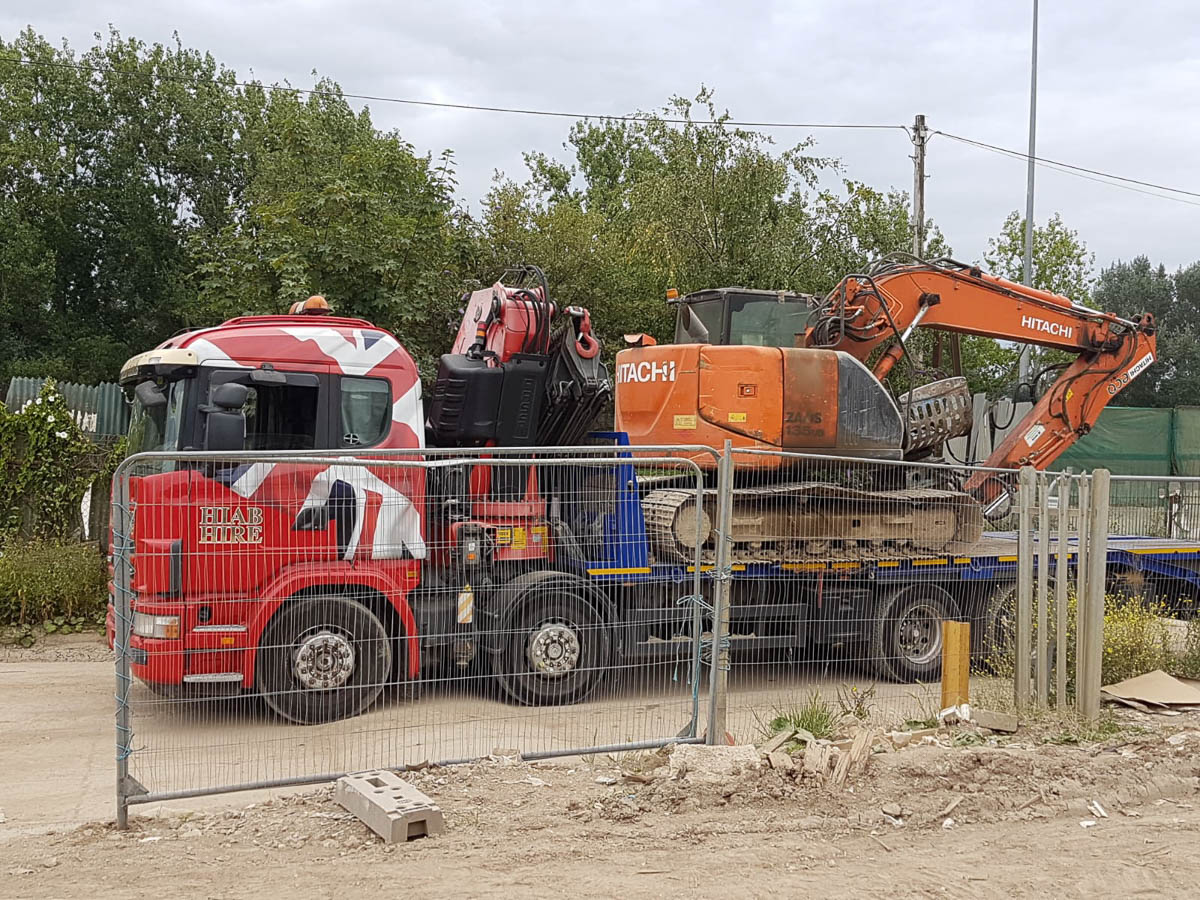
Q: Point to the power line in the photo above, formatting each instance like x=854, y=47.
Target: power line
x=510, y=110
x=1069, y=168
x=1062, y=166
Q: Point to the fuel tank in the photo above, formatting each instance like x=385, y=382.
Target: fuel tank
x=768, y=398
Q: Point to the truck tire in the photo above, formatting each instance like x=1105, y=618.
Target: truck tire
x=906, y=636
x=555, y=646
x=322, y=659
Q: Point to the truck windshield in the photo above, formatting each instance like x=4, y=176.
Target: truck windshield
x=157, y=428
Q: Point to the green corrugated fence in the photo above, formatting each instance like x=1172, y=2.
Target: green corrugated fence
x=100, y=409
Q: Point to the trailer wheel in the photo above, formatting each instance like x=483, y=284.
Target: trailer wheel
x=322, y=659
x=906, y=636
x=555, y=646
x=994, y=632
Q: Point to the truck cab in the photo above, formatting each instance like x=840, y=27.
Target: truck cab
x=220, y=545
x=296, y=538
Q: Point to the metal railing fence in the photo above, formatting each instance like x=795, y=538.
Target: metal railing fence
x=286, y=618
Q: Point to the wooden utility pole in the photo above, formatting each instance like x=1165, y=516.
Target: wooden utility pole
x=920, y=137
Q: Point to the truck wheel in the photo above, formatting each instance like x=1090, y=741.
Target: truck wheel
x=322, y=659
x=906, y=636
x=555, y=647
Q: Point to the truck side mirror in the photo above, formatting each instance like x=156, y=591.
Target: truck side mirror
x=225, y=428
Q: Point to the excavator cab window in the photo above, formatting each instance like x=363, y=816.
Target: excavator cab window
x=765, y=321
x=739, y=316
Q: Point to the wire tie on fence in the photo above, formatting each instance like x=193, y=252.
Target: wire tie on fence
x=724, y=573
x=697, y=599
x=724, y=643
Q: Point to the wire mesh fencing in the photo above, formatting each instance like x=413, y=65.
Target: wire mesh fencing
x=841, y=573
x=287, y=618
x=283, y=619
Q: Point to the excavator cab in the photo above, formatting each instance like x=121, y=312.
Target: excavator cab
x=735, y=372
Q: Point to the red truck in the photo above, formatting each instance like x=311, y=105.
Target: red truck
x=299, y=580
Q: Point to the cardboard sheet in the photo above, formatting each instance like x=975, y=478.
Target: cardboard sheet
x=1155, y=688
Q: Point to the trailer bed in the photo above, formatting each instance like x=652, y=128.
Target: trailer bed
x=994, y=557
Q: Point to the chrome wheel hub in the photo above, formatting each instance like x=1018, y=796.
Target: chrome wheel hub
x=920, y=634
x=324, y=660
x=553, y=649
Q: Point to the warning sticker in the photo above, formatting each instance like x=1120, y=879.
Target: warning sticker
x=685, y=422
x=518, y=538
x=1034, y=433
x=737, y=417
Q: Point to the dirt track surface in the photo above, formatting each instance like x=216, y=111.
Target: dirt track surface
x=626, y=826
x=553, y=831
x=57, y=711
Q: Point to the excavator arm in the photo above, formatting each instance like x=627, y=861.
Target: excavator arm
x=865, y=313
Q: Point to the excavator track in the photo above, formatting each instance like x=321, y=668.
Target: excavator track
x=804, y=521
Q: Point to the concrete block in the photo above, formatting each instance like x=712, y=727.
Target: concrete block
x=389, y=806
x=995, y=721
x=781, y=761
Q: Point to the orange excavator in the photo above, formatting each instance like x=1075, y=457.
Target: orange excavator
x=785, y=378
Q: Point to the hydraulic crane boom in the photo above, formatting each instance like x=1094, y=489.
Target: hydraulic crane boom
x=865, y=312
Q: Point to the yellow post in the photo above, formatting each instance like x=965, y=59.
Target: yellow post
x=956, y=663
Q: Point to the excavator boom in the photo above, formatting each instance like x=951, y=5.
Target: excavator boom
x=865, y=312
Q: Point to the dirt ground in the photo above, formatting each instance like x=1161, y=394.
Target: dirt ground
x=978, y=816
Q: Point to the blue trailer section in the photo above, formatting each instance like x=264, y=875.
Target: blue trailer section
x=626, y=553
x=884, y=601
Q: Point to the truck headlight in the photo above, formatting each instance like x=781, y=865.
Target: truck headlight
x=151, y=626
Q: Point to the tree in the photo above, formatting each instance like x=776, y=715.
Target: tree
x=650, y=204
x=1061, y=261
x=107, y=160
x=1061, y=264
x=333, y=206
x=142, y=189
x=1136, y=287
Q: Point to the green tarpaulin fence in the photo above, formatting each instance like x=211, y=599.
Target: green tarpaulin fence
x=1130, y=440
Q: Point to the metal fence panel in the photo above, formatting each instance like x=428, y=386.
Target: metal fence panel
x=282, y=619
x=99, y=409
x=285, y=618
x=840, y=573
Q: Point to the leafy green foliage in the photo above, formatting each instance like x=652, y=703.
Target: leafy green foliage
x=815, y=715
x=333, y=206
x=1132, y=288
x=1061, y=261
x=104, y=167
x=46, y=466
x=648, y=205
x=1061, y=264
x=143, y=190
x=50, y=587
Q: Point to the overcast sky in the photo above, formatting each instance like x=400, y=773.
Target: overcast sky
x=1119, y=85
